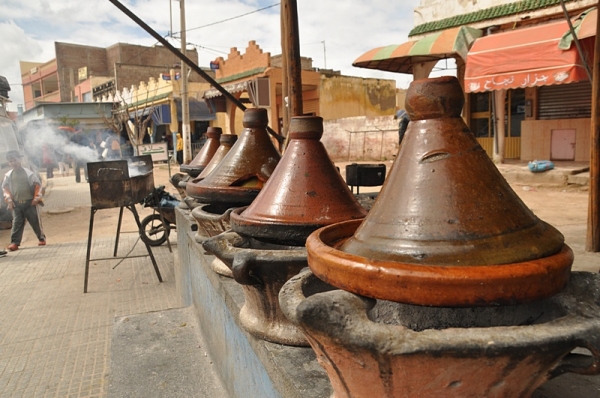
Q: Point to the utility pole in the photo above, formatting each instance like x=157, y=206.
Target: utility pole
x=593, y=226
x=324, y=56
x=185, y=105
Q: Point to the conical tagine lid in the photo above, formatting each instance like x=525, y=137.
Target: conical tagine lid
x=197, y=165
x=445, y=220
x=304, y=193
x=226, y=142
x=239, y=177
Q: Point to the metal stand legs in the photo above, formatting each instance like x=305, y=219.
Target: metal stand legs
x=89, y=245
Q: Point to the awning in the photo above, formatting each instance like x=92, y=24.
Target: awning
x=162, y=114
x=521, y=58
x=584, y=25
x=434, y=47
x=232, y=88
x=141, y=112
x=198, y=110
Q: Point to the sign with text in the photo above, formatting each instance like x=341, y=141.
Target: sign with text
x=158, y=151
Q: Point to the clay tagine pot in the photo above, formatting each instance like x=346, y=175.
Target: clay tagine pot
x=446, y=229
x=266, y=247
x=226, y=142
x=197, y=165
x=239, y=177
x=304, y=193
x=375, y=348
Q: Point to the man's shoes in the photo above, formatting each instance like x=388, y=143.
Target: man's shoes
x=13, y=247
x=42, y=243
x=3, y=253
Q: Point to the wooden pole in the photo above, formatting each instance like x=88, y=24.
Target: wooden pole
x=593, y=227
x=284, y=74
x=294, y=67
x=185, y=107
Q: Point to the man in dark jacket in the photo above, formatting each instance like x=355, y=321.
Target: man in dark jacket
x=84, y=142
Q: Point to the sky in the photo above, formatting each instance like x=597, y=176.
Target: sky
x=332, y=33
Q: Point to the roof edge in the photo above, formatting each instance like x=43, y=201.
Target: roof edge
x=483, y=15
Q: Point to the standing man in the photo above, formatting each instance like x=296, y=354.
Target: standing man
x=80, y=163
x=179, y=146
x=22, y=193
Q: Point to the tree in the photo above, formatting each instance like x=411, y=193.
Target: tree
x=129, y=116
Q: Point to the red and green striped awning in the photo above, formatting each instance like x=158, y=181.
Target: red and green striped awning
x=434, y=47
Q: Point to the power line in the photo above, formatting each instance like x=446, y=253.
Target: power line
x=207, y=48
x=232, y=18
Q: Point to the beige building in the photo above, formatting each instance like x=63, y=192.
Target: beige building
x=159, y=99
x=255, y=78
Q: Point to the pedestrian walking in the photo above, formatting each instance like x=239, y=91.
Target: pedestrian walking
x=22, y=193
x=48, y=160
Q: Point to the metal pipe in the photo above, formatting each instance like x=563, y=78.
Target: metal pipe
x=576, y=40
x=188, y=61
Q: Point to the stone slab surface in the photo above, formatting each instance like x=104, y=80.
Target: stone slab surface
x=161, y=354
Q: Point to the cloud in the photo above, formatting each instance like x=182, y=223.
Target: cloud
x=332, y=35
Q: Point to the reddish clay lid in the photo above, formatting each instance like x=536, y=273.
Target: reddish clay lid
x=197, y=165
x=446, y=207
x=239, y=177
x=226, y=142
x=304, y=193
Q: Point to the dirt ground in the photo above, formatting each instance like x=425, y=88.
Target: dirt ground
x=559, y=206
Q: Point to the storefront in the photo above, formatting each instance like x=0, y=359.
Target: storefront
x=533, y=82
x=528, y=93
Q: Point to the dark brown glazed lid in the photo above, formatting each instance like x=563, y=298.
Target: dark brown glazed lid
x=239, y=177
x=446, y=207
x=226, y=141
x=304, y=193
x=197, y=165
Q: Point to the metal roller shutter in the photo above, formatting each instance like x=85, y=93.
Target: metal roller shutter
x=565, y=101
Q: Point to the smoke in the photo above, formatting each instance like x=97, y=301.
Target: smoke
x=36, y=137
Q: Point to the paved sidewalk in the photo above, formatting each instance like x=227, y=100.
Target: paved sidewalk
x=56, y=341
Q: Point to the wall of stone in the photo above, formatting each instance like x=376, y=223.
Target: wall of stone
x=361, y=138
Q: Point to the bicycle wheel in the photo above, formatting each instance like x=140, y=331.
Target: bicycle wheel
x=153, y=231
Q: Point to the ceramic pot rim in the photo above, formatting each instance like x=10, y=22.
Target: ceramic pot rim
x=239, y=196
x=444, y=285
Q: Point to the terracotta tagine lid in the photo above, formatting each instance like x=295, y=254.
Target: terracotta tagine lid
x=304, y=193
x=195, y=167
x=226, y=142
x=240, y=176
x=446, y=228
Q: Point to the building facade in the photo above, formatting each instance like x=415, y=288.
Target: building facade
x=256, y=79
x=528, y=95
x=81, y=73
